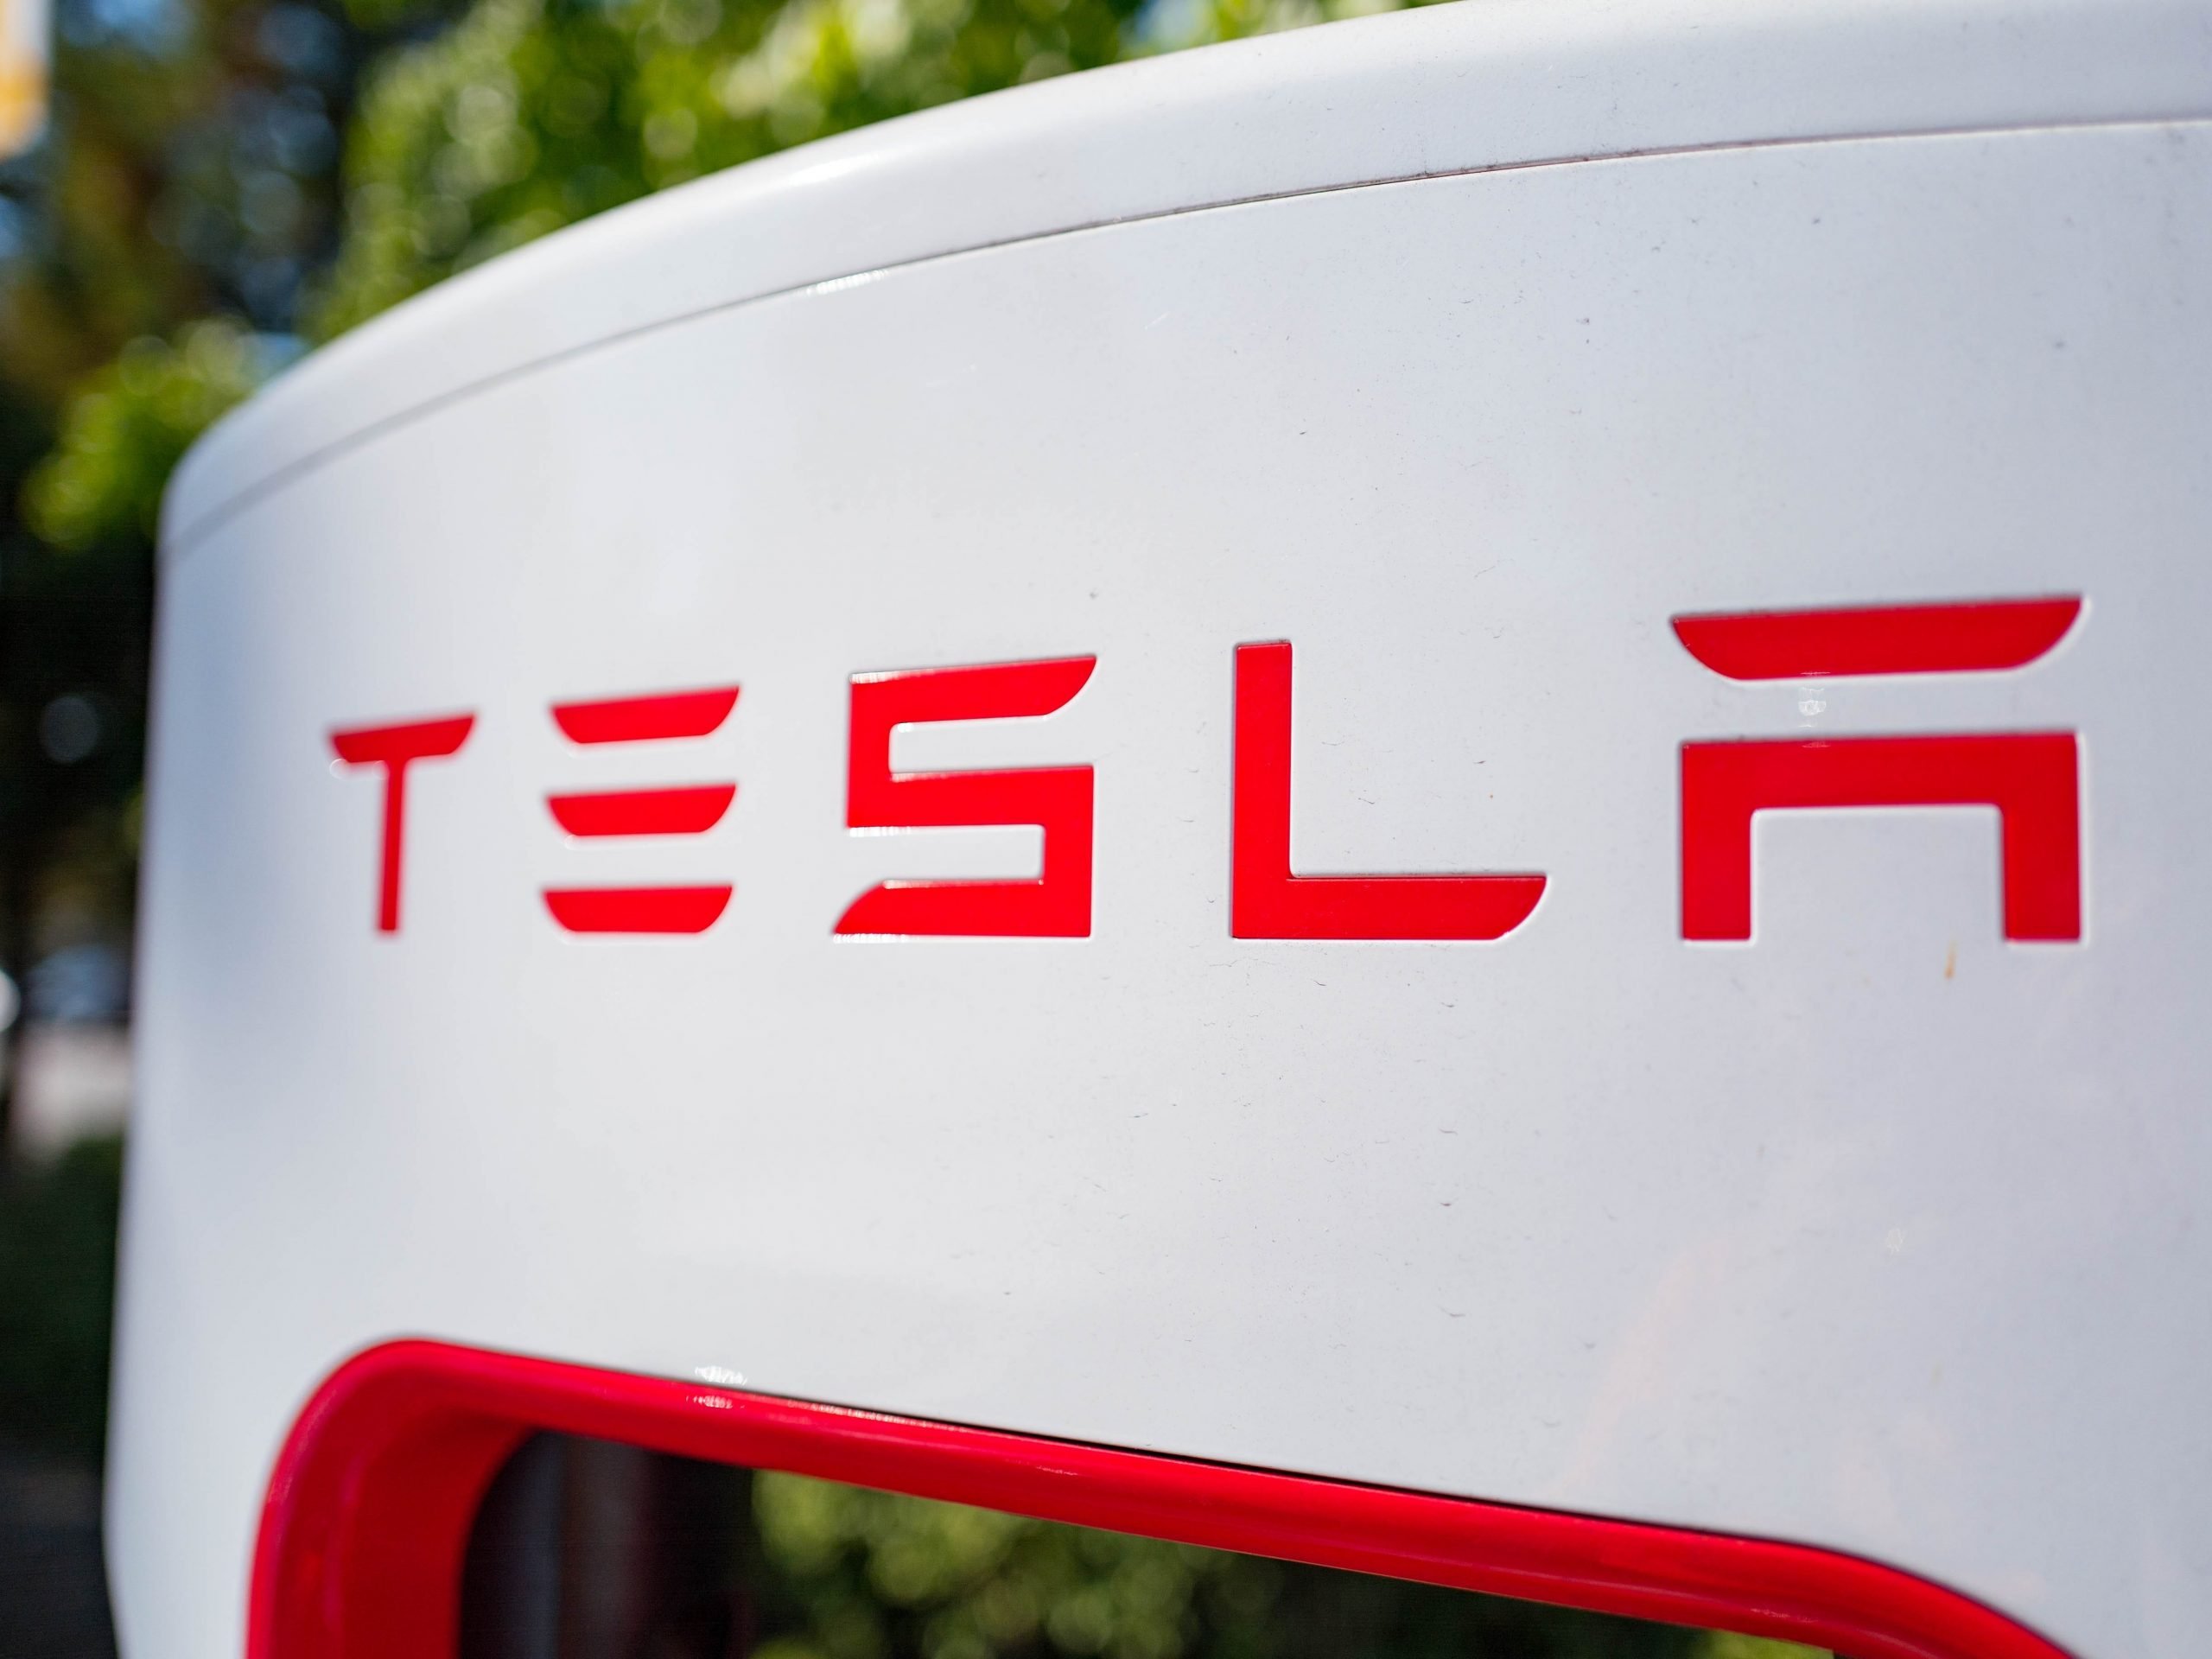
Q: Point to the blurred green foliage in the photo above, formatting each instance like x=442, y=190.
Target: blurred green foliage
x=57, y=1275
x=191, y=170
x=877, y=1574
x=861, y=1574
x=130, y=424
x=1721, y=1644
x=532, y=114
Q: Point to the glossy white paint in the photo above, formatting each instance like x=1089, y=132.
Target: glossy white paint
x=1878, y=1233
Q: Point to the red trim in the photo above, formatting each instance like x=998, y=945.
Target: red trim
x=640, y=720
x=370, y=1506
x=1977, y=636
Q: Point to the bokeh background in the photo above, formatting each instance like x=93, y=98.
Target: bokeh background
x=219, y=187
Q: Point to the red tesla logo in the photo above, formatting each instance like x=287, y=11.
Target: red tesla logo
x=2031, y=779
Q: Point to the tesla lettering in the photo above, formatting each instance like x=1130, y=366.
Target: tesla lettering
x=2031, y=777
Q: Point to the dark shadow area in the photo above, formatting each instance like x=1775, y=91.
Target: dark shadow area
x=57, y=1292
x=52, y=1581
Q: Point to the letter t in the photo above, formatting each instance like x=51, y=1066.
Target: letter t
x=392, y=748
